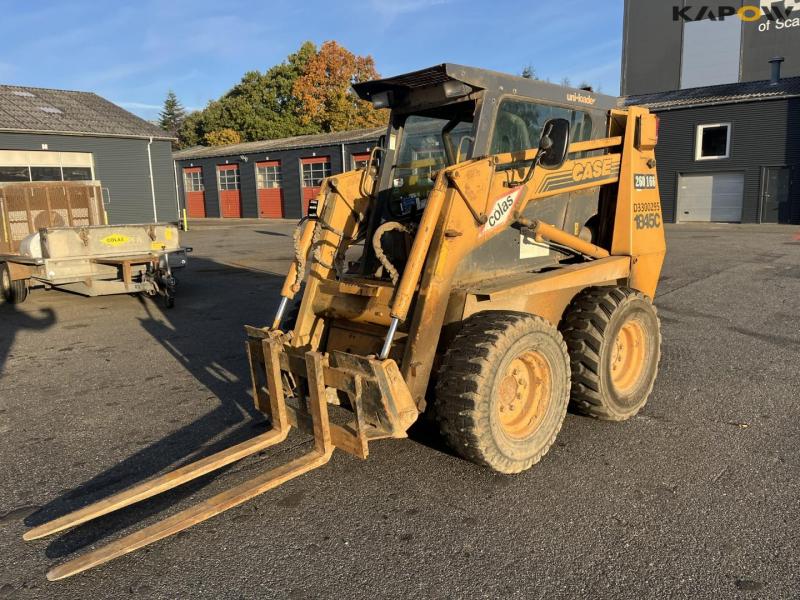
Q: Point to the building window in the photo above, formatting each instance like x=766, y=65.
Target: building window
x=229, y=178
x=77, y=173
x=268, y=175
x=713, y=141
x=193, y=181
x=315, y=172
x=35, y=165
x=360, y=161
x=14, y=174
x=711, y=50
x=45, y=173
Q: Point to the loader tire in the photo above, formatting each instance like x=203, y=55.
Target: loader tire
x=14, y=292
x=614, y=340
x=503, y=390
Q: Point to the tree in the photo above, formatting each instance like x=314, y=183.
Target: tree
x=329, y=103
x=172, y=115
x=261, y=106
x=222, y=137
x=529, y=72
x=566, y=82
x=583, y=85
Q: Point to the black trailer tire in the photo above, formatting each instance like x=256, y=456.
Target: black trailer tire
x=503, y=390
x=614, y=340
x=15, y=292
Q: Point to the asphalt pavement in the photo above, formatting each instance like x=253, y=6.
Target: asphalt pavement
x=696, y=497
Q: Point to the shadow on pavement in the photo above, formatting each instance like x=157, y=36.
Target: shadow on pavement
x=14, y=320
x=205, y=334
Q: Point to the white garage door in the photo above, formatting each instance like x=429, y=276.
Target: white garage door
x=710, y=197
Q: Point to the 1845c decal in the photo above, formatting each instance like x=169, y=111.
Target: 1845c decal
x=644, y=181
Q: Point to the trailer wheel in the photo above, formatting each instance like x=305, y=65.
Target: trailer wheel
x=503, y=390
x=14, y=292
x=614, y=340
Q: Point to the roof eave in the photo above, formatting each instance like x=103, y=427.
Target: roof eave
x=715, y=103
x=88, y=134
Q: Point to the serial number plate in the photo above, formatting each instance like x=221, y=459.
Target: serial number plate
x=644, y=182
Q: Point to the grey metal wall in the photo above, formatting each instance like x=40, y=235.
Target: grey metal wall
x=121, y=164
x=763, y=134
x=652, y=45
x=290, y=171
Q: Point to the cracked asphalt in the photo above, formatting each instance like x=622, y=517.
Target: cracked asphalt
x=696, y=497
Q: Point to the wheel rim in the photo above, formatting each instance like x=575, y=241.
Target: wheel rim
x=6, y=280
x=524, y=394
x=628, y=356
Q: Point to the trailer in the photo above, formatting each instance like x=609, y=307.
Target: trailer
x=55, y=235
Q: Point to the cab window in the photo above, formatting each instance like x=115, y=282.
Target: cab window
x=519, y=125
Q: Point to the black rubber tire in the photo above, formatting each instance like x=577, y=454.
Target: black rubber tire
x=15, y=292
x=590, y=327
x=470, y=372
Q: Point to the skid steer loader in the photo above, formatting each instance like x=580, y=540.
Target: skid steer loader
x=495, y=261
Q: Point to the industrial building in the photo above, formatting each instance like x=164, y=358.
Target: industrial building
x=59, y=135
x=267, y=179
x=724, y=78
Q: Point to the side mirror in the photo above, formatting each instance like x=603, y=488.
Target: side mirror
x=554, y=143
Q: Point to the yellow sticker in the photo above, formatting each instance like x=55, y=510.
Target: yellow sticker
x=157, y=245
x=115, y=239
x=168, y=234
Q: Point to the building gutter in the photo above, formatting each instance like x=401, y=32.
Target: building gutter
x=152, y=181
x=344, y=166
x=177, y=193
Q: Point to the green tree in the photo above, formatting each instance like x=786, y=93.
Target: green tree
x=261, y=106
x=307, y=93
x=529, y=72
x=172, y=114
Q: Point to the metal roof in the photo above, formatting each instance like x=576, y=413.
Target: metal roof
x=729, y=93
x=290, y=143
x=41, y=110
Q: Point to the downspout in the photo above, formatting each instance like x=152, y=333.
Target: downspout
x=344, y=166
x=177, y=194
x=152, y=182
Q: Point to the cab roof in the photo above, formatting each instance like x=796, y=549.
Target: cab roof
x=483, y=79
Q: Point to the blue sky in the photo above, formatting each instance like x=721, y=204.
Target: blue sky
x=133, y=52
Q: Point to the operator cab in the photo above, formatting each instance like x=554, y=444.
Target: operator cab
x=449, y=114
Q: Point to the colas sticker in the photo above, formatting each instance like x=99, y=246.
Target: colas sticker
x=501, y=211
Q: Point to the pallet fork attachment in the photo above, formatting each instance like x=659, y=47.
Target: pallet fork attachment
x=269, y=360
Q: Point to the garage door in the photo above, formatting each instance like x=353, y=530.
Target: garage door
x=710, y=197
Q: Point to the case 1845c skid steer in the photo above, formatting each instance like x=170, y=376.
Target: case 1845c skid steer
x=496, y=259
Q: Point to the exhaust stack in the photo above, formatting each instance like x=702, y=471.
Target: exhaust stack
x=776, y=69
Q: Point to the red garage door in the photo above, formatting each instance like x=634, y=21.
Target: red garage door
x=230, y=198
x=360, y=160
x=270, y=189
x=193, y=191
x=314, y=171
